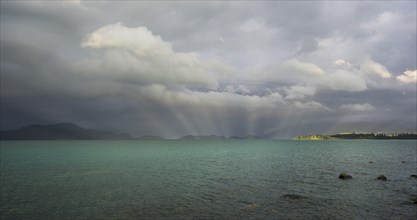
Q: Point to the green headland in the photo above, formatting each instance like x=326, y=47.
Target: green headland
x=360, y=135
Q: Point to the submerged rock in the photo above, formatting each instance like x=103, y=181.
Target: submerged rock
x=381, y=177
x=294, y=196
x=345, y=176
x=370, y=161
x=413, y=176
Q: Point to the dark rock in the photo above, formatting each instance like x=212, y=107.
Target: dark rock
x=294, y=196
x=414, y=200
x=370, y=162
x=345, y=176
x=381, y=177
x=403, y=161
x=413, y=176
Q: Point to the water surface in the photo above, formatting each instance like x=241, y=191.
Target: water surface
x=207, y=179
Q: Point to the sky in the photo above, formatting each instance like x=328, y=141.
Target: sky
x=274, y=69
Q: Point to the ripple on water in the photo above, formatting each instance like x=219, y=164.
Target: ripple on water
x=208, y=179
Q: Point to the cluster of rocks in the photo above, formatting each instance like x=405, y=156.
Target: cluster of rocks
x=345, y=176
x=380, y=177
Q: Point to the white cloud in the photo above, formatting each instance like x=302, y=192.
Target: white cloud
x=408, y=76
x=227, y=102
x=256, y=26
x=139, y=40
x=210, y=100
x=357, y=107
x=299, y=92
x=302, y=67
x=371, y=67
x=382, y=20
x=220, y=69
x=241, y=89
x=340, y=79
x=137, y=56
x=341, y=62
x=344, y=80
x=312, y=105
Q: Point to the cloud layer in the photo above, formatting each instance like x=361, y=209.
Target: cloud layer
x=225, y=68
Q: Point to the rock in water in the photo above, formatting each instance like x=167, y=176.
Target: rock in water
x=345, y=176
x=381, y=177
x=413, y=176
x=294, y=196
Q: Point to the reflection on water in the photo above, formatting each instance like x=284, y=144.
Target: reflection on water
x=224, y=179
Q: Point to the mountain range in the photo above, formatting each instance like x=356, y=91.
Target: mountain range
x=61, y=131
x=71, y=131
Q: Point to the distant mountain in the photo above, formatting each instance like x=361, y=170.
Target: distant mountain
x=61, y=131
x=216, y=137
x=247, y=137
x=151, y=137
x=208, y=137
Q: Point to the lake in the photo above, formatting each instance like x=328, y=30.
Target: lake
x=207, y=179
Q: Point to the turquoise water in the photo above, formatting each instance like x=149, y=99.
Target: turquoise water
x=216, y=179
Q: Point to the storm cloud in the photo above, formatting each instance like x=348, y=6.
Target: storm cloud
x=277, y=69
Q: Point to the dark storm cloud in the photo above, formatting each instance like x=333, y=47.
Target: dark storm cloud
x=227, y=68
